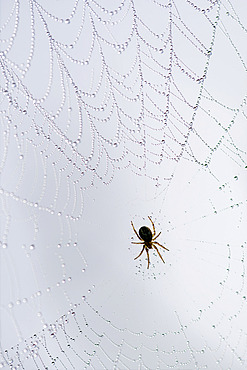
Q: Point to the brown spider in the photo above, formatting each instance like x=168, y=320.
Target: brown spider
x=145, y=234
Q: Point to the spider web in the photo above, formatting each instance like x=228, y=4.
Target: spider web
x=110, y=112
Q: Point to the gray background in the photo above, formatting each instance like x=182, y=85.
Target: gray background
x=80, y=159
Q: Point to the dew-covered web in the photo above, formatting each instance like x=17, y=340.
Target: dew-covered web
x=112, y=112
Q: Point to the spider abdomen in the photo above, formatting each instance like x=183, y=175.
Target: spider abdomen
x=146, y=234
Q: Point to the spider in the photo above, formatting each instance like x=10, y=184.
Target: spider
x=148, y=240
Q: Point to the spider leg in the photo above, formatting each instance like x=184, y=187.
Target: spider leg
x=158, y=252
x=137, y=242
x=161, y=245
x=157, y=236
x=135, y=230
x=140, y=253
x=152, y=224
x=148, y=258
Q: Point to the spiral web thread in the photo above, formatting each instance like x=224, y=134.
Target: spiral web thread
x=91, y=89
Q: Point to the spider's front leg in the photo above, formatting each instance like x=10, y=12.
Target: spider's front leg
x=148, y=257
x=158, y=252
x=140, y=253
x=160, y=245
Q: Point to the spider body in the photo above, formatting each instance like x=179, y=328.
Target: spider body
x=148, y=240
x=146, y=235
